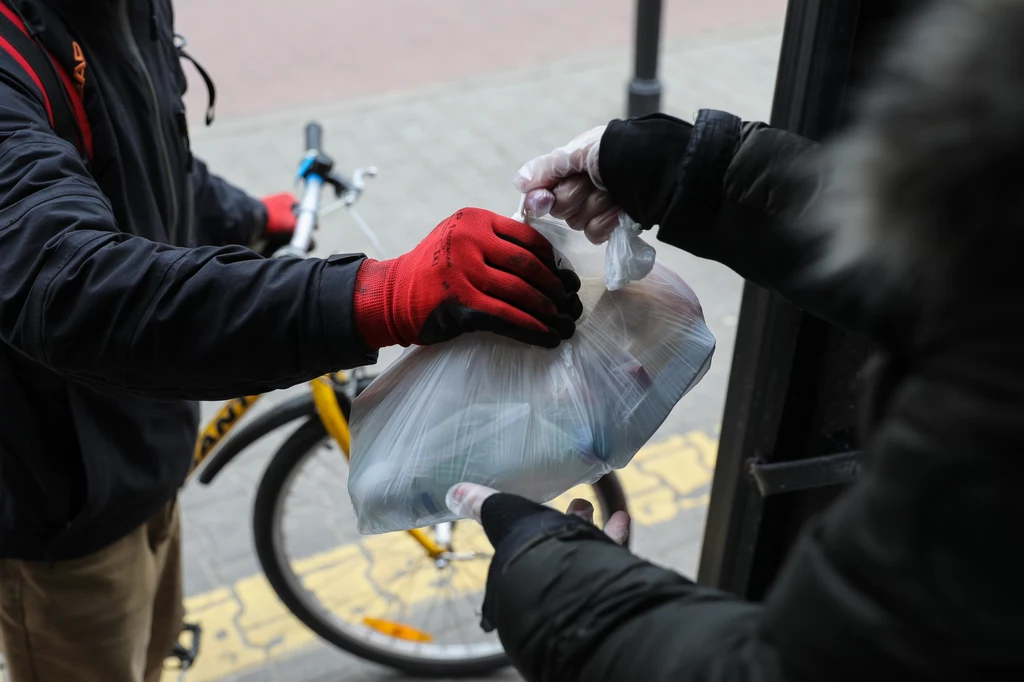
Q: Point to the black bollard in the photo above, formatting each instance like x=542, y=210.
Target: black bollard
x=645, y=89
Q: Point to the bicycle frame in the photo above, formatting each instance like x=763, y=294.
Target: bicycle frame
x=315, y=171
x=334, y=421
x=219, y=427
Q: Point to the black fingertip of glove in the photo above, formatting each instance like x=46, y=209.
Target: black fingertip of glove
x=569, y=304
x=551, y=337
x=570, y=280
x=550, y=340
x=572, y=306
x=565, y=327
x=452, y=319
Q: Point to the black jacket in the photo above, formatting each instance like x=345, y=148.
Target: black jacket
x=111, y=325
x=914, y=575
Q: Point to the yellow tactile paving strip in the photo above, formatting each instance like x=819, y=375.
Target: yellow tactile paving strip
x=245, y=626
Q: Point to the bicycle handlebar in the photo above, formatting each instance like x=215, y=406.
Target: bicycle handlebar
x=312, y=171
x=314, y=137
x=308, y=208
x=316, y=170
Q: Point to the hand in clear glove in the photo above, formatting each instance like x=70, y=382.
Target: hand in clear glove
x=567, y=184
x=508, y=511
x=512, y=522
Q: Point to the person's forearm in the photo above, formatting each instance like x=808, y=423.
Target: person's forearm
x=572, y=608
x=879, y=585
x=689, y=180
x=123, y=313
x=224, y=214
x=731, y=192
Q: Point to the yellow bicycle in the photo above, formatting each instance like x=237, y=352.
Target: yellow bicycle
x=409, y=600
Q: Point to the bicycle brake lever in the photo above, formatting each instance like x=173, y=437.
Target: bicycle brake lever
x=359, y=177
x=340, y=185
x=359, y=184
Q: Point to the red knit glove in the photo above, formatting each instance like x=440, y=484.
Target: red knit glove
x=477, y=271
x=280, y=223
x=281, y=217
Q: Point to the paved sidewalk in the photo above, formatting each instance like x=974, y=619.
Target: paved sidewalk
x=276, y=55
x=438, y=149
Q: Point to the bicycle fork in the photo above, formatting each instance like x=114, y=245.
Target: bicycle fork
x=337, y=426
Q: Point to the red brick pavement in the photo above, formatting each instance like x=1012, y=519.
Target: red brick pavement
x=270, y=55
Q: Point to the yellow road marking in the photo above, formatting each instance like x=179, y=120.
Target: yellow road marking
x=245, y=625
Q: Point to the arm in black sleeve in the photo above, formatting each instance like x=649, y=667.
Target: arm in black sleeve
x=569, y=605
x=732, y=192
x=913, y=575
x=224, y=214
x=123, y=313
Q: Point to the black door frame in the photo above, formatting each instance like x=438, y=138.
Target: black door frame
x=789, y=430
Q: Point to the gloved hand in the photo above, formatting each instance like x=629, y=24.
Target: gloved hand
x=567, y=184
x=281, y=218
x=477, y=271
x=511, y=521
x=505, y=512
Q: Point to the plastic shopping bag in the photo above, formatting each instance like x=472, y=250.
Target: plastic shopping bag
x=525, y=420
x=628, y=257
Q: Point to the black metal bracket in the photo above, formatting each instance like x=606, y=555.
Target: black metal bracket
x=187, y=655
x=322, y=166
x=339, y=184
x=803, y=474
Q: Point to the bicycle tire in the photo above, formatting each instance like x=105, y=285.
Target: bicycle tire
x=292, y=453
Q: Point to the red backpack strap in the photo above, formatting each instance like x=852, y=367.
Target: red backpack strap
x=61, y=98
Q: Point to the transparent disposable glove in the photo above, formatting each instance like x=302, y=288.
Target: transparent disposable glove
x=467, y=500
x=567, y=184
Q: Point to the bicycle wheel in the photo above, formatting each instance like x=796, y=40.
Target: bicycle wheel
x=381, y=597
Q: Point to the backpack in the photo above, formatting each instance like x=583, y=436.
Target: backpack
x=61, y=95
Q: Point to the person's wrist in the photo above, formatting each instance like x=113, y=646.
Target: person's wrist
x=371, y=304
x=260, y=219
x=501, y=513
x=638, y=163
x=334, y=291
x=592, y=162
x=263, y=214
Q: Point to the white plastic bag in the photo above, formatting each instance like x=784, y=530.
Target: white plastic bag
x=527, y=420
x=628, y=258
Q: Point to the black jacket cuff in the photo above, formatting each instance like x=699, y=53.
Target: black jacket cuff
x=656, y=165
x=639, y=161
x=337, y=311
x=500, y=514
x=514, y=524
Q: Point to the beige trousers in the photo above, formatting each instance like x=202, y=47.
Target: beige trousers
x=112, y=616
